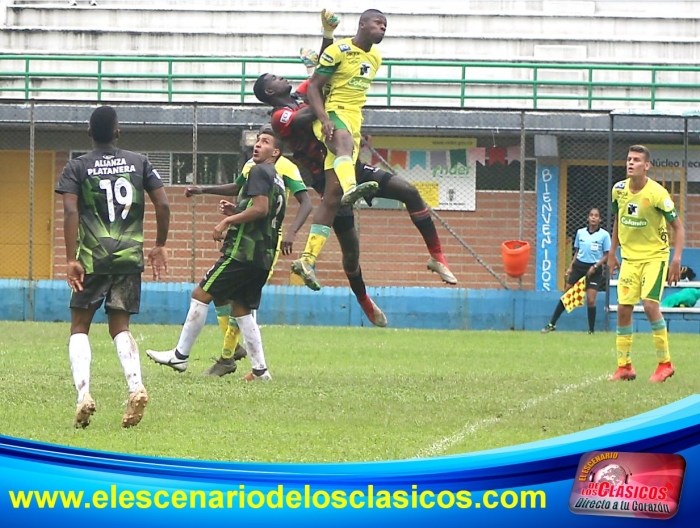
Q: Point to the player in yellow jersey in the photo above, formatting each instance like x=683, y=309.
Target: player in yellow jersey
x=643, y=209
x=337, y=92
x=232, y=351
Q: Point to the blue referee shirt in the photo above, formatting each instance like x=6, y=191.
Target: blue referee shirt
x=591, y=246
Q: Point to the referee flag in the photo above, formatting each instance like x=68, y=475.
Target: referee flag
x=575, y=296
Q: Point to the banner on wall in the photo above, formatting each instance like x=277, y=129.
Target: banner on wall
x=669, y=157
x=442, y=169
x=547, y=188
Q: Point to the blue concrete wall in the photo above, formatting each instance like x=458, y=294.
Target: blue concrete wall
x=435, y=308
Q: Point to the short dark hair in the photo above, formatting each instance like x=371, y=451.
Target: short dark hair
x=103, y=123
x=371, y=13
x=642, y=150
x=268, y=131
x=259, y=89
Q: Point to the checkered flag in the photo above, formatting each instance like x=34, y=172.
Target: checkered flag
x=575, y=296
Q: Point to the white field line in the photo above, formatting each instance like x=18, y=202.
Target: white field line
x=470, y=428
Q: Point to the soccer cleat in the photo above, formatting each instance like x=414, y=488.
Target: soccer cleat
x=625, y=373
x=307, y=272
x=168, y=358
x=662, y=373
x=359, y=191
x=549, y=328
x=309, y=57
x=222, y=367
x=135, y=406
x=251, y=376
x=442, y=270
x=239, y=353
x=373, y=313
x=83, y=411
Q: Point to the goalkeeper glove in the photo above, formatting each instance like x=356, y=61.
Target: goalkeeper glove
x=330, y=21
x=309, y=57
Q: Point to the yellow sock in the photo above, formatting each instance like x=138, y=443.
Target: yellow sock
x=660, y=334
x=233, y=333
x=222, y=315
x=624, y=345
x=345, y=171
x=314, y=244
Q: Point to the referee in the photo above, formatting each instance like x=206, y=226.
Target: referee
x=592, y=244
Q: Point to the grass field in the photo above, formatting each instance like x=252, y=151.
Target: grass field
x=338, y=394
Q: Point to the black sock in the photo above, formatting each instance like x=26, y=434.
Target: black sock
x=591, y=319
x=180, y=356
x=557, y=313
x=357, y=284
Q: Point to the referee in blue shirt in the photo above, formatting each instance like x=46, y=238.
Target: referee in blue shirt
x=592, y=244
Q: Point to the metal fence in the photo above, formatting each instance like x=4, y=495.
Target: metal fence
x=483, y=172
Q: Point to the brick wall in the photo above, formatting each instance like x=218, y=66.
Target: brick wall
x=392, y=250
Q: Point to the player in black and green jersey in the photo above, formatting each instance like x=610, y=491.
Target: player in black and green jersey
x=103, y=201
x=250, y=237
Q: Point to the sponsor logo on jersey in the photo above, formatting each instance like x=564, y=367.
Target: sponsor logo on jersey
x=343, y=47
x=155, y=173
x=325, y=58
x=360, y=83
x=633, y=222
x=668, y=203
x=284, y=118
x=365, y=69
x=632, y=209
x=620, y=185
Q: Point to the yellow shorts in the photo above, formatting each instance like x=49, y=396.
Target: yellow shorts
x=350, y=121
x=277, y=255
x=641, y=280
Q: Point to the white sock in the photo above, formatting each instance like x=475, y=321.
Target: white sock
x=196, y=317
x=128, y=352
x=80, y=356
x=253, y=341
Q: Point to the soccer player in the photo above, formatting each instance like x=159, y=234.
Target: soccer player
x=592, y=244
x=292, y=118
x=103, y=203
x=232, y=350
x=250, y=243
x=337, y=93
x=643, y=210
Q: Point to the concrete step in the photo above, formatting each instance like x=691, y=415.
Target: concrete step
x=305, y=22
x=673, y=50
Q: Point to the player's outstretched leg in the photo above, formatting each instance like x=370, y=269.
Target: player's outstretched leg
x=396, y=188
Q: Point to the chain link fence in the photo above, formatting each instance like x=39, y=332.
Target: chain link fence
x=488, y=176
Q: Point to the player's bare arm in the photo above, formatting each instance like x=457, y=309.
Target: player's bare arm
x=158, y=256
x=317, y=103
x=304, y=210
x=674, y=269
x=258, y=209
x=75, y=273
x=613, y=264
x=226, y=189
x=302, y=119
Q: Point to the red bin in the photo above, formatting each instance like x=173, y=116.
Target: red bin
x=516, y=255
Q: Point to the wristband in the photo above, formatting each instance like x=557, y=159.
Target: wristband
x=328, y=33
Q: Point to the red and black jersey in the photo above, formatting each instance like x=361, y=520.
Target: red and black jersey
x=307, y=151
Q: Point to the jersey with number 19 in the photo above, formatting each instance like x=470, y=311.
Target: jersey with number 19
x=255, y=243
x=111, y=186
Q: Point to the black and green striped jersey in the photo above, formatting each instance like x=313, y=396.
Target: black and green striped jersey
x=111, y=186
x=256, y=242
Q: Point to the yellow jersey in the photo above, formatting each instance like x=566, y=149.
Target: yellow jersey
x=286, y=168
x=642, y=221
x=351, y=71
